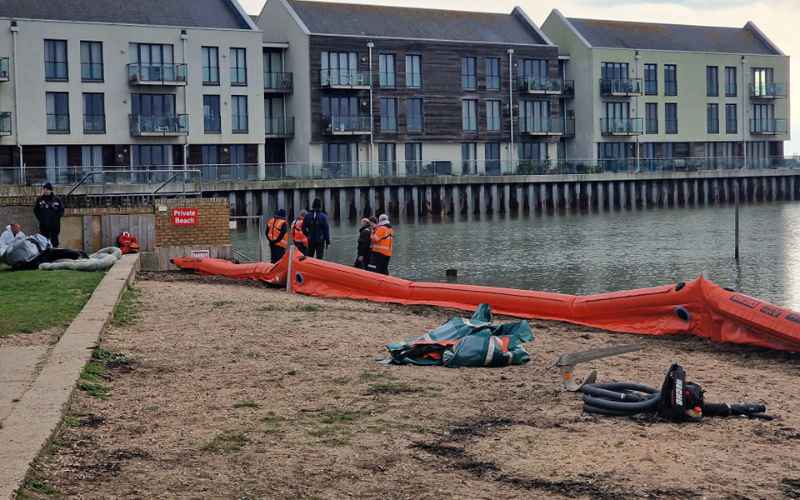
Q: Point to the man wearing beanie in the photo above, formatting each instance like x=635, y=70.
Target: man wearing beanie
x=382, y=245
x=48, y=211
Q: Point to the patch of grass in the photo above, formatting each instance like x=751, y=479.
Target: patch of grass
x=98, y=391
x=227, y=442
x=40, y=487
x=393, y=388
x=31, y=301
x=246, y=404
x=110, y=359
x=126, y=312
x=72, y=421
x=94, y=371
x=272, y=423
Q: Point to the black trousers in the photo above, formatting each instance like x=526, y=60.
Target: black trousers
x=51, y=234
x=276, y=253
x=379, y=263
x=316, y=249
x=51, y=255
x=363, y=263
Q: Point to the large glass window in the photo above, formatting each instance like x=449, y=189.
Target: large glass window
x=413, y=158
x=339, y=68
x=387, y=159
x=671, y=117
x=388, y=114
x=386, y=69
x=155, y=112
x=712, y=81
x=712, y=118
x=535, y=69
x=670, y=80
x=651, y=79
x=57, y=113
x=210, y=65
x=240, y=118
x=532, y=151
x=55, y=60
x=338, y=159
x=731, y=81
x=763, y=79
x=274, y=116
x=493, y=115
x=534, y=116
x=614, y=71
x=414, y=120
x=413, y=71
x=731, y=119
x=238, y=66
x=492, y=73
x=212, y=119
x=651, y=117
x=491, y=155
x=469, y=115
x=92, y=61
x=94, y=113
x=469, y=73
x=469, y=158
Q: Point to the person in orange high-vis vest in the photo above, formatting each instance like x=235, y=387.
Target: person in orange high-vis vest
x=277, y=235
x=299, y=238
x=382, y=245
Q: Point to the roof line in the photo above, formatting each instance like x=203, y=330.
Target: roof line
x=518, y=12
x=764, y=38
x=571, y=27
x=690, y=51
x=294, y=15
x=243, y=14
x=136, y=25
x=476, y=42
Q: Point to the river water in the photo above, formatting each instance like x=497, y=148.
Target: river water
x=599, y=252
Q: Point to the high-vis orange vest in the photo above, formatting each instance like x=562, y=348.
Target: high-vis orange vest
x=382, y=240
x=274, y=228
x=298, y=236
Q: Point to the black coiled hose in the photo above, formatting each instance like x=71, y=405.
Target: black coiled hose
x=620, y=400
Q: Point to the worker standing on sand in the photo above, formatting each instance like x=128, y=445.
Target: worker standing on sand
x=382, y=244
x=277, y=235
x=299, y=237
x=315, y=225
x=364, y=243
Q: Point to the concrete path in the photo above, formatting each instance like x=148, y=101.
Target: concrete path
x=17, y=373
x=33, y=419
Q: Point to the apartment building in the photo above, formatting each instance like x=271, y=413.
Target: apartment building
x=134, y=84
x=661, y=92
x=407, y=90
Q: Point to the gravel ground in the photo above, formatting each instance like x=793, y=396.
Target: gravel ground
x=247, y=392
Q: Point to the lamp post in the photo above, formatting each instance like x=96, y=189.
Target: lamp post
x=637, y=58
x=371, y=46
x=511, y=104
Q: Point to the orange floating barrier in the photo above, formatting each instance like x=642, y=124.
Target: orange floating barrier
x=274, y=274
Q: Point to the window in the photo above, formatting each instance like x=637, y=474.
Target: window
x=469, y=115
x=534, y=116
x=614, y=71
x=155, y=113
x=386, y=70
x=532, y=151
x=388, y=114
x=92, y=159
x=535, y=69
x=341, y=113
x=152, y=156
x=651, y=79
x=712, y=118
x=493, y=115
x=763, y=79
x=712, y=81
x=413, y=158
x=671, y=117
x=651, y=117
x=338, y=159
x=413, y=71
x=274, y=116
x=91, y=61
x=56, y=160
x=239, y=109
x=763, y=118
x=339, y=68
x=492, y=73
x=212, y=120
x=94, y=114
x=670, y=80
x=210, y=65
x=469, y=158
x=387, y=159
x=469, y=75
x=731, y=119
x=730, y=81
x=273, y=70
x=414, y=118
x=55, y=60
x=57, y=113
x=238, y=66
x=492, y=158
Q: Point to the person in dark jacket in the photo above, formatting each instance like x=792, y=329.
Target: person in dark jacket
x=364, y=244
x=316, y=228
x=48, y=211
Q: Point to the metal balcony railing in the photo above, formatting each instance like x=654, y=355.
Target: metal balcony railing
x=541, y=126
x=157, y=74
x=346, y=125
x=344, y=79
x=57, y=123
x=621, y=126
x=278, y=82
x=552, y=86
x=569, y=89
x=5, y=123
x=623, y=87
x=94, y=124
x=279, y=127
x=4, y=69
x=569, y=127
x=91, y=72
x=761, y=126
x=767, y=90
x=158, y=125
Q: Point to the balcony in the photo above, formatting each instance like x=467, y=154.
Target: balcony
x=621, y=126
x=568, y=125
x=278, y=83
x=767, y=126
x=344, y=79
x=768, y=91
x=159, y=125
x=541, y=86
x=568, y=90
x=278, y=128
x=4, y=69
x=542, y=127
x=165, y=75
x=346, y=125
x=625, y=87
x=5, y=123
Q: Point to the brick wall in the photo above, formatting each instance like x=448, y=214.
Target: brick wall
x=211, y=229
x=18, y=209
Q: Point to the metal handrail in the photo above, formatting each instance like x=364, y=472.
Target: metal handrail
x=161, y=186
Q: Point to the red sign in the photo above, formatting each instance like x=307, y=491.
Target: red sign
x=184, y=216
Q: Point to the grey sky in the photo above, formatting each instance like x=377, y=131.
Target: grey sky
x=774, y=17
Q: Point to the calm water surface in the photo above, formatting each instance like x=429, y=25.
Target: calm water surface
x=591, y=253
